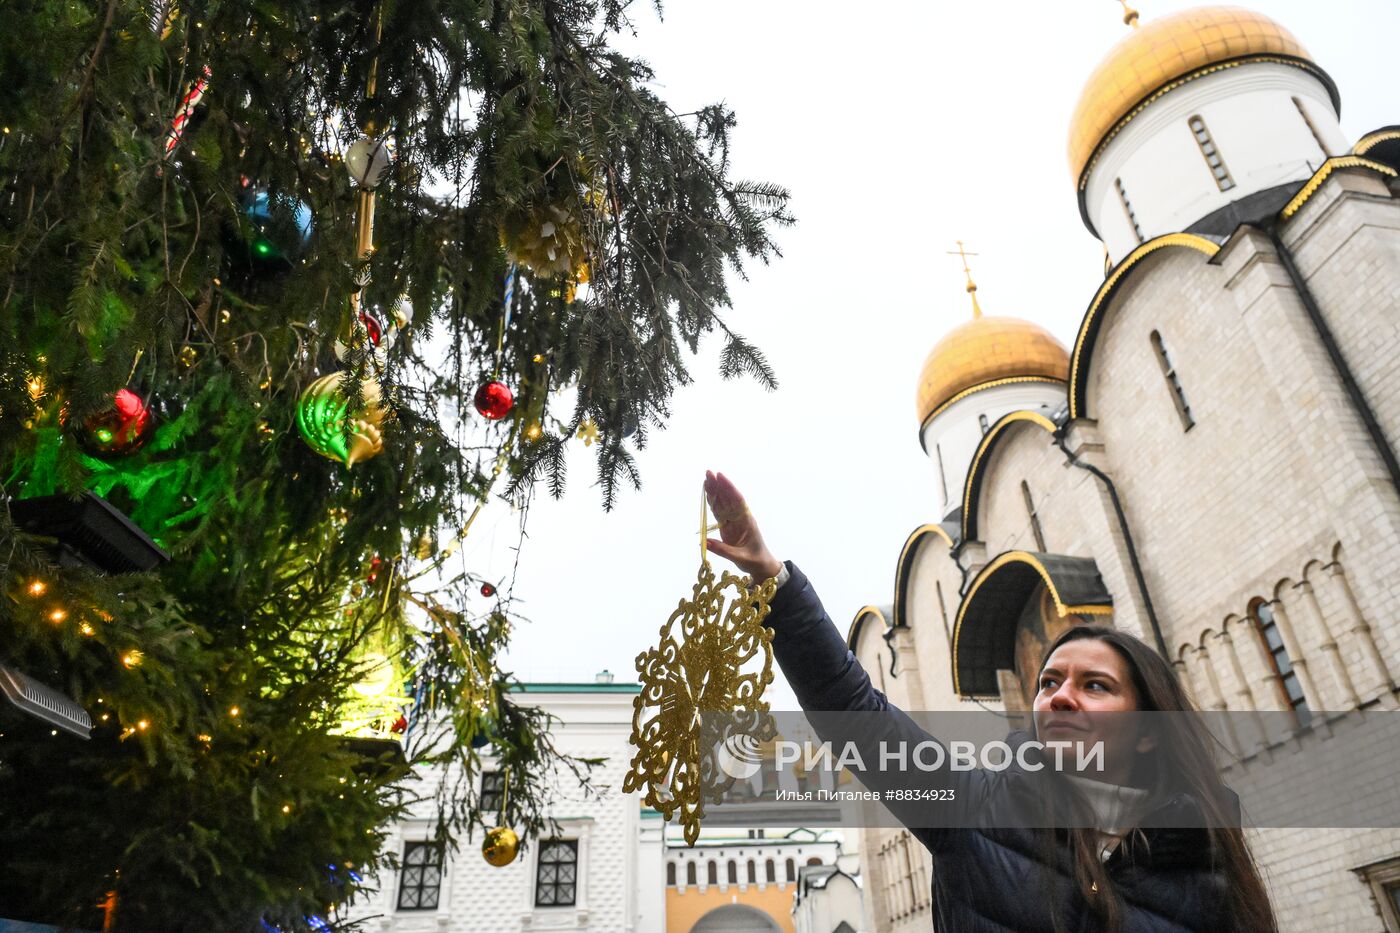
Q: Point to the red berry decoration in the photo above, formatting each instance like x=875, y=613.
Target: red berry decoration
x=119, y=431
x=488, y=590
x=374, y=566
x=400, y=726
x=494, y=400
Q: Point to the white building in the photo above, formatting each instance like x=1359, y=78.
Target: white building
x=603, y=872
x=1211, y=465
x=827, y=901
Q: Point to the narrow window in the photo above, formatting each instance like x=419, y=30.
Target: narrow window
x=1164, y=359
x=942, y=474
x=1035, y=519
x=1128, y=209
x=556, y=876
x=422, y=876
x=982, y=420
x=791, y=870
x=943, y=611
x=1283, y=665
x=493, y=783
x=770, y=871
x=712, y=873
x=689, y=872
x=733, y=873
x=670, y=874
x=1312, y=128
x=1211, y=154
x=753, y=873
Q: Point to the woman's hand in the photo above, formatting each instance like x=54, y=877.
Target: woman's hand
x=740, y=540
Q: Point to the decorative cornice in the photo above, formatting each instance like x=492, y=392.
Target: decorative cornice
x=987, y=572
x=990, y=384
x=1370, y=140
x=1320, y=176
x=854, y=630
x=1088, y=329
x=902, y=569
x=973, y=484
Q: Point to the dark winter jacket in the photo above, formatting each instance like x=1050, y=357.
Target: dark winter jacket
x=999, y=880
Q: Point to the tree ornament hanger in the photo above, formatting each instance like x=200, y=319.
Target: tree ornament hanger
x=694, y=679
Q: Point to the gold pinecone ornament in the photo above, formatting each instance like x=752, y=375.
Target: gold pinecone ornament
x=549, y=241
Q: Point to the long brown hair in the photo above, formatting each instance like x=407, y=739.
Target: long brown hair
x=1183, y=751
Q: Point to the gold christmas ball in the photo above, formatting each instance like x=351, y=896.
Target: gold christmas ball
x=500, y=846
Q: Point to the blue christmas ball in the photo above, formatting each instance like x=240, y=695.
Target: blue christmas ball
x=279, y=225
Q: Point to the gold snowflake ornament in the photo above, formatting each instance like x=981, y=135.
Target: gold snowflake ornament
x=712, y=664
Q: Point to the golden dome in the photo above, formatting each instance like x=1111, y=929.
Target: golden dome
x=985, y=349
x=1161, y=51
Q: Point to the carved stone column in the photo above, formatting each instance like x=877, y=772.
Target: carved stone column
x=1345, y=688
x=1375, y=680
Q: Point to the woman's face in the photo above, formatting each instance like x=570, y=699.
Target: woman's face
x=1085, y=691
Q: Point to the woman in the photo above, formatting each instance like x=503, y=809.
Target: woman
x=1156, y=847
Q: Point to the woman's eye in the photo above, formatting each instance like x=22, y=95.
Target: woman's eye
x=1099, y=684
x=1047, y=683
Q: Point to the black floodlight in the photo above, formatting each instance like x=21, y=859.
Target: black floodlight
x=45, y=703
x=90, y=531
x=380, y=758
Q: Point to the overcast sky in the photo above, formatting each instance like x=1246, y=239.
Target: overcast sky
x=899, y=127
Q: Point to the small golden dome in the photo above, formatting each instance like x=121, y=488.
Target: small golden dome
x=1160, y=52
x=985, y=349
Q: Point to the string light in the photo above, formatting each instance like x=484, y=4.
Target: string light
x=36, y=387
x=87, y=629
x=286, y=808
x=57, y=616
x=38, y=588
x=142, y=724
x=132, y=658
x=234, y=711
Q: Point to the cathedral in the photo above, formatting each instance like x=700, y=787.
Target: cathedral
x=1211, y=466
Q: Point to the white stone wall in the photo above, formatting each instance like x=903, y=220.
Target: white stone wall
x=620, y=881
x=953, y=436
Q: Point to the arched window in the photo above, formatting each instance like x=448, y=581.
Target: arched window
x=1128, y=209
x=1164, y=359
x=1263, y=616
x=1212, y=155
x=671, y=874
x=689, y=872
x=1035, y=518
x=770, y=871
x=753, y=873
x=814, y=861
x=791, y=870
x=733, y=872
x=711, y=873
x=985, y=425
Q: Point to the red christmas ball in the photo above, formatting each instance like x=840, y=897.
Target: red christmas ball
x=494, y=400
x=400, y=726
x=488, y=590
x=119, y=431
x=373, y=328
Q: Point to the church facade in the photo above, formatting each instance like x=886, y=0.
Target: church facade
x=1212, y=466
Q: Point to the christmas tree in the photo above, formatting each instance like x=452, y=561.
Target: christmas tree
x=296, y=287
